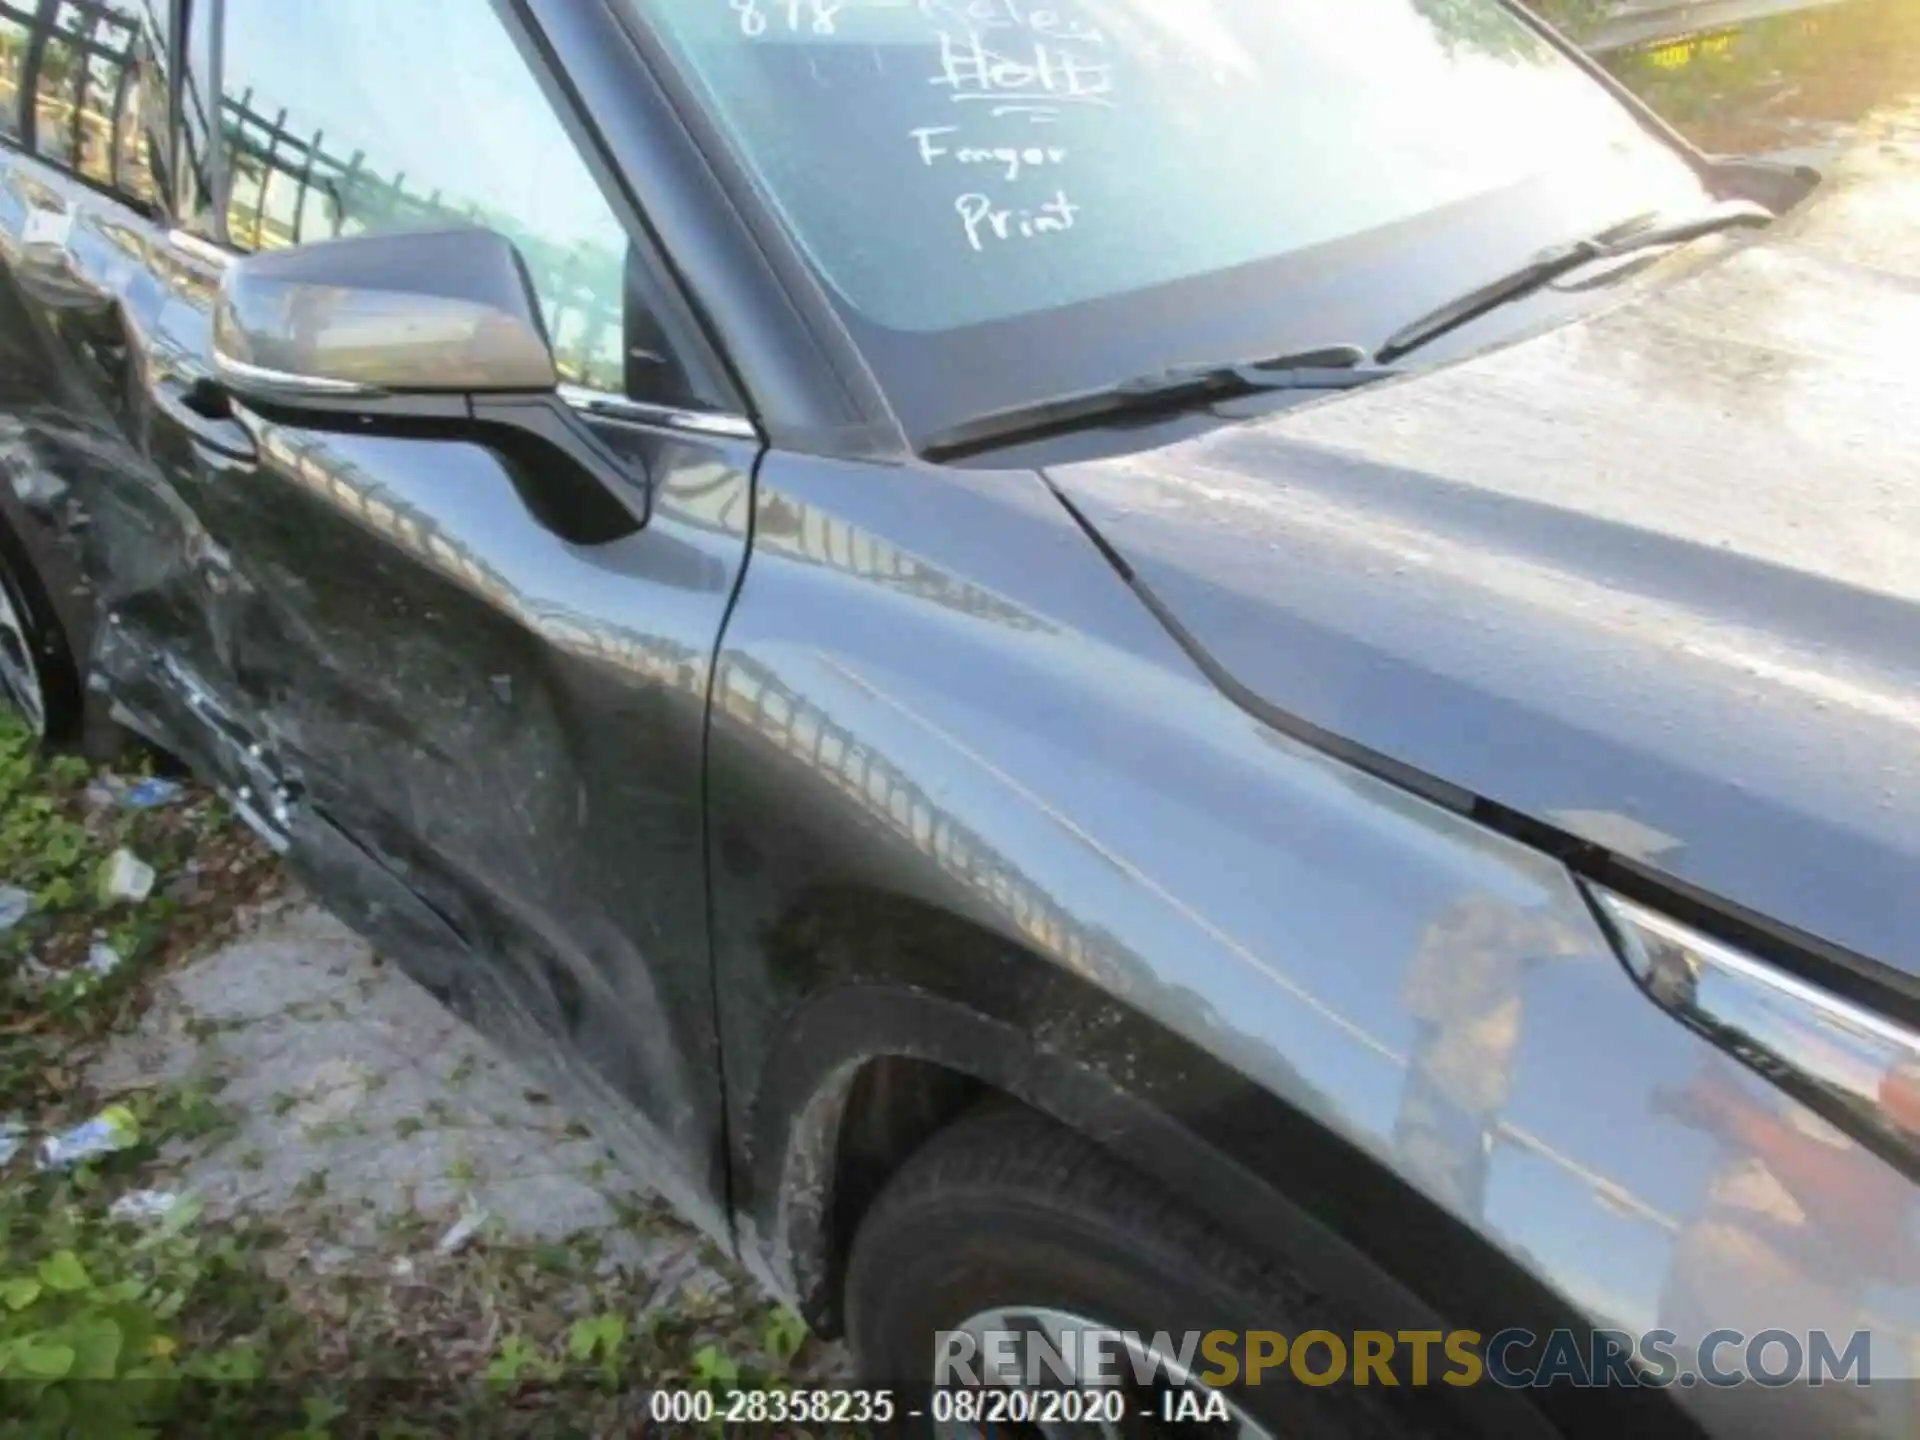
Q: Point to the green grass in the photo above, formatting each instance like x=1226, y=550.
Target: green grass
x=112, y=1327
x=54, y=844
x=86, y=1299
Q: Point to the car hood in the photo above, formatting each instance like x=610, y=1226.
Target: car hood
x=1652, y=578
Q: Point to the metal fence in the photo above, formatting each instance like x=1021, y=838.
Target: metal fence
x=71, y=73
x=285, y=188
x=69, y=87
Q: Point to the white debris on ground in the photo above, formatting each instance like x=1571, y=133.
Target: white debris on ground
x=15, y=905
x=462, y=1230
x=114, y=1128
x=144, y=1205
x=152, y=793
x=126, y=877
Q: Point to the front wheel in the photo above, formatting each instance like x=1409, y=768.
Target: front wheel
x=1008, y=1223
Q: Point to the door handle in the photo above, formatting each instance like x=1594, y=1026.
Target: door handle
x=200, y=407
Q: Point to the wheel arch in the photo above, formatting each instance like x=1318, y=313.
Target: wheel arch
x=866, y=1072
x=59, y=601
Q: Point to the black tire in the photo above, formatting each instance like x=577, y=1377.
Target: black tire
x=1008, y=1208
x=38, y=651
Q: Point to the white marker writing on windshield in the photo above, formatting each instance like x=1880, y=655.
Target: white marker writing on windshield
x=1014, y=160
x=815, y=15
x=986, y=221
x=1044, y=78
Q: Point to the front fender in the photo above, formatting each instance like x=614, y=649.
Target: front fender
x=1186, y=1136
x=952, y=759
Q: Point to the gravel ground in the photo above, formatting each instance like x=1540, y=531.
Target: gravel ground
x=347, y=1080
x=426, y=1213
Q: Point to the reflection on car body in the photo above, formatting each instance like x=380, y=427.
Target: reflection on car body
x=1236, y=828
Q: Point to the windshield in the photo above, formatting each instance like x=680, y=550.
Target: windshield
x=1020, y=198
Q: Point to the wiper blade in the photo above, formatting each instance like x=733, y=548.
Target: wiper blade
x=1641, y=232
x=1336, y=367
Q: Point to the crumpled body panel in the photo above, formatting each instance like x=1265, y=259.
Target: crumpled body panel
x=480, y=741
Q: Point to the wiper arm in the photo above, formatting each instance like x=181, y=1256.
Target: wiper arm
x=1337, y=367
x=1642, y=232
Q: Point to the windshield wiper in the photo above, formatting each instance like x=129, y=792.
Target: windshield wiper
x=1641, y=232
x=1337, y=367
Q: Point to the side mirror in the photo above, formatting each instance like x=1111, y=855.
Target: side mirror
x=435, y=312
x=433, y=334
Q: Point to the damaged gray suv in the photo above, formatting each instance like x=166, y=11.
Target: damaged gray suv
x=1221, y=685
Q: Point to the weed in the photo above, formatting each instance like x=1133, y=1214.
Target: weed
x=192, y=1112
x=712, y=1368
x=85, y=1298
x=324, y=1130
x=782, y=1333
x=191, y=1299
x=517, y=1357
x=599, y=1341
x=203, y=1028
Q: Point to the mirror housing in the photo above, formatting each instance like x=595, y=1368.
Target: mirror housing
x=430, y=312
x=428, y=334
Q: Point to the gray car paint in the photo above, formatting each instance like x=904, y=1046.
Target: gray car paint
x=958, y=797
x=459, y=724
x=1652, y=577
x=1186, y=889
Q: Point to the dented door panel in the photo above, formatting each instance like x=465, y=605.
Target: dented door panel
x=509, y=722
x=394, y=668
x=100, y=324
x=479, y=740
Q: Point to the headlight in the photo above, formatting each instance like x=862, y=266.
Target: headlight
x=1859, y=1069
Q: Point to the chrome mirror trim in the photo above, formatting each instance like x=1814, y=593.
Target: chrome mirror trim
x=639, y=412
x=250, y=374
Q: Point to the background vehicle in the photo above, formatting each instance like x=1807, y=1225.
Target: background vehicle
x=909, y=858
